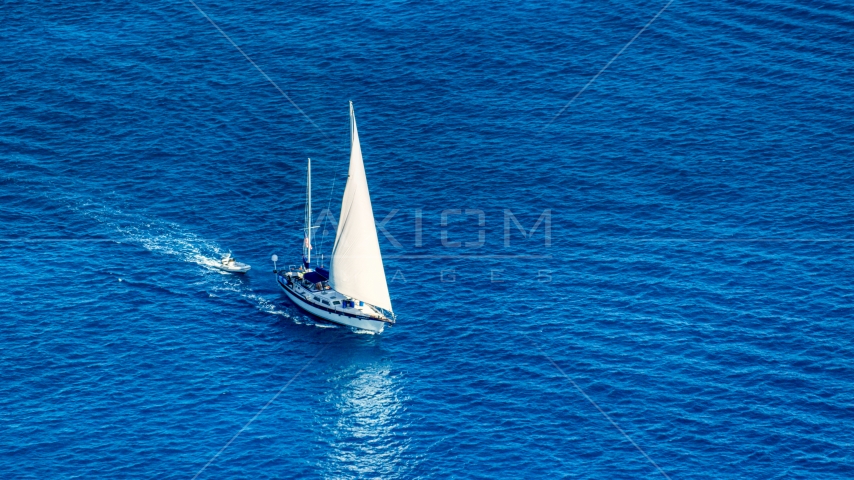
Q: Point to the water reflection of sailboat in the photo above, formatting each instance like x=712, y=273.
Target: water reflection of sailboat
x=364, y=438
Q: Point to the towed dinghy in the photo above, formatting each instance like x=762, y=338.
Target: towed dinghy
x=229, y=264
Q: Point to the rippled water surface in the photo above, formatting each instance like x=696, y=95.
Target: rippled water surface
x=697, y=285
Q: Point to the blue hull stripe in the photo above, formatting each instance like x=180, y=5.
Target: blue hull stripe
x=336, y=312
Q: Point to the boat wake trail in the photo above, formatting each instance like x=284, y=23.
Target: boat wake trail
x=171, y=239
x=155, y=236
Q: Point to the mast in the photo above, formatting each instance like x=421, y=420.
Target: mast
x=306, y=244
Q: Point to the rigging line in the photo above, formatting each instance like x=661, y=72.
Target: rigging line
x=608, y=64
x=259, y=69
x=325, y=217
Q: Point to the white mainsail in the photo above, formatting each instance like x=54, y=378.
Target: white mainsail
x=357, y=269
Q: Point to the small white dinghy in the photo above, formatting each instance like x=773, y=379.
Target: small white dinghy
x=229, y=264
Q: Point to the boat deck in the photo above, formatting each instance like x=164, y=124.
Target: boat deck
x=328, y=299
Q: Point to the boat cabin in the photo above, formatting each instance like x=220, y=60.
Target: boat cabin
x=314, y=287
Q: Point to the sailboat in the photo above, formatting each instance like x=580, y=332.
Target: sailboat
x=353, y=291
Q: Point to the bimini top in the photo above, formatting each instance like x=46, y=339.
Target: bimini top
x=315, y=276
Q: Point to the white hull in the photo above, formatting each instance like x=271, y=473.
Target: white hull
x=230, y=265
x=332, y=315
x=241, y=269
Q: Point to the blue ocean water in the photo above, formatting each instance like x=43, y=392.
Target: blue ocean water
x=692, y=272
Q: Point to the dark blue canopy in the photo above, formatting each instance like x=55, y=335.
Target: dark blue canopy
x=314, y=277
